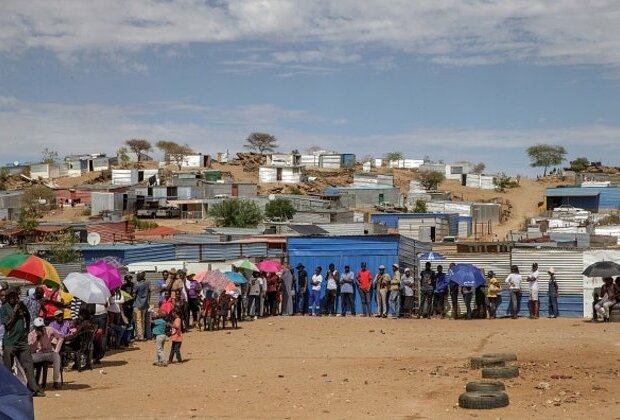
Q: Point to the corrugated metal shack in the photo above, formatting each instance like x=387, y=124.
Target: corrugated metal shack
x=425, y=227
x=365, y=196
x=128, y=253
x=10, y=204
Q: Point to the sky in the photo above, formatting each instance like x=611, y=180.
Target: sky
x=477, y=80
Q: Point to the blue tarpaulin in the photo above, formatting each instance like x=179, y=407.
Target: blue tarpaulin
x=15, y=397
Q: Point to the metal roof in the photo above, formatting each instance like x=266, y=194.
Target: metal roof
x=571, y=192
x=308, y=230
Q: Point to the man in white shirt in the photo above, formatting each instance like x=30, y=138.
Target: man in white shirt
x=331, y=291
x=315, y=292
x=532, y=279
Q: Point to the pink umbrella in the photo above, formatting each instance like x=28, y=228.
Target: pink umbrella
x=215, y=279
x=107, y=272
x=269, y=266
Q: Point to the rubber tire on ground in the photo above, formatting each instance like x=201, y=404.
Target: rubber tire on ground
x=483, y=400
x=485, y=386
x=614, y=315
x=505, y=372
x=506, y=357
x=480, y=362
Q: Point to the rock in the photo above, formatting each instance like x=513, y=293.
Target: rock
x=543, y=385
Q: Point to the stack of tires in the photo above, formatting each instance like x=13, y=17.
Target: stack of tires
x=489, y=393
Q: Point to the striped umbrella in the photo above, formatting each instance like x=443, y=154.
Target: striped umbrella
x=31, y=268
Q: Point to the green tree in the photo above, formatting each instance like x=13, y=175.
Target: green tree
x=545, y=155
x=478, y=168
x=503, y=181
x=28, y=220
x=261, y=142
x=280, y=208
x=390, y=156
x=174, y=151
x=236, y=213
x=430, y=180
x=123, y=156
x=49, y=156
x=580, y=164
x=138, y=146
x=420, y=206
x=61, y=247
x=38, y=198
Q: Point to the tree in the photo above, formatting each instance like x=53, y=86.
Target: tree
x=580, y=164
x=123, y=156
x=430, y=180
x=261, y=142
x=37, y=198
x=139, y=146
x=236, y=213
x=280, y=208
x=420, y=206
x=4, y=177
x=503, y=181
x=49, y=156
x=478, y=168
x=545, y=155
x=390, y=156
x=28, y=220
x=61, y=247
x=174, y=151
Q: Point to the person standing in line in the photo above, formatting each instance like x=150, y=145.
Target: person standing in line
x=33, y=302
x=159, y=331
x=408, y=283
x=302, y=289
x=453, y=289
x=514, y=285
x=554, y=311
x=331, y=291
x=176, y=337
x=315, y=293
x=492, y=291
x=346, y=291
x=140, y=305
x=273, y=282
x=254, y=293
x=364, y=284
x=532, y=279
x=287, y=290
x=161, y=286
x=382, y=283
x=439, y=293
x=193, y=298
x=427, y=286
x=468, y=293
x=394, y=298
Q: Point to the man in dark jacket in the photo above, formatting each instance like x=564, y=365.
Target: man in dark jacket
x=301, y=295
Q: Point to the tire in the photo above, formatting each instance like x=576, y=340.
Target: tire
x=614, y=315
x=484, y=361
x=483, y=400
x=505, y=372
x=506, y=357
x=485, y=386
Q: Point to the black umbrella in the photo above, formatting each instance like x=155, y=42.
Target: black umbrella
x=602, y=269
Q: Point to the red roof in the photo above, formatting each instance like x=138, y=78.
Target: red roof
x=159, y=231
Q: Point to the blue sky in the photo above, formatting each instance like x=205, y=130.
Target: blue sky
x=454, y=80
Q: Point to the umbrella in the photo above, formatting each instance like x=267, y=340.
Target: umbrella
x=236, y=278
x=15, y=398
x=215, y=279
x=246, y=265
x=28, y=267
x=431, y=256
x=232, y=289
x=269, y=266
x=467, y=275
x=106, y=271
x=87, y=287
x=602, y=269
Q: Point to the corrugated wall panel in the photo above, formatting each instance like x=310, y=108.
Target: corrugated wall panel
x=164, y=252
x=188, y=252
x=64, y=269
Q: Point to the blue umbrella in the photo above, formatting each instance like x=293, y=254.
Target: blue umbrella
x=15, y=398
x=467, y=275
x=236, y=278
x=430, y=256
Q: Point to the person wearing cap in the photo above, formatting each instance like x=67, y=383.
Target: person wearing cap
x=394, y=293
x=315, y=293
x=140, y=305
x=382, y=283
x=364, y=284
x=301, y=295
x=493, y=289
x=60, y=324
x=15, y=317
x=331, y=290
x=554, y=311
x=408, y=283
x=427, y=286
x=45, y=344
x=193, y=297
x=346, y=291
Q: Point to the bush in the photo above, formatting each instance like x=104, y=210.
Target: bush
x=430, y=180
x=236, y=213
x=420, y=206
x=280, y=208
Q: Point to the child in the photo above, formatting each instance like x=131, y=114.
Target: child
x=176, y=337
x=207, y=309
x=159, y=331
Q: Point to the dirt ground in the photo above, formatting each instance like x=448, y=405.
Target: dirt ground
x=349, y=368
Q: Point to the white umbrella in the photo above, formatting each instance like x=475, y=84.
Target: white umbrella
x=87, y=287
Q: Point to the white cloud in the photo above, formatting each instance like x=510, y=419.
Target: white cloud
x=93, y=128
x=452, y=32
